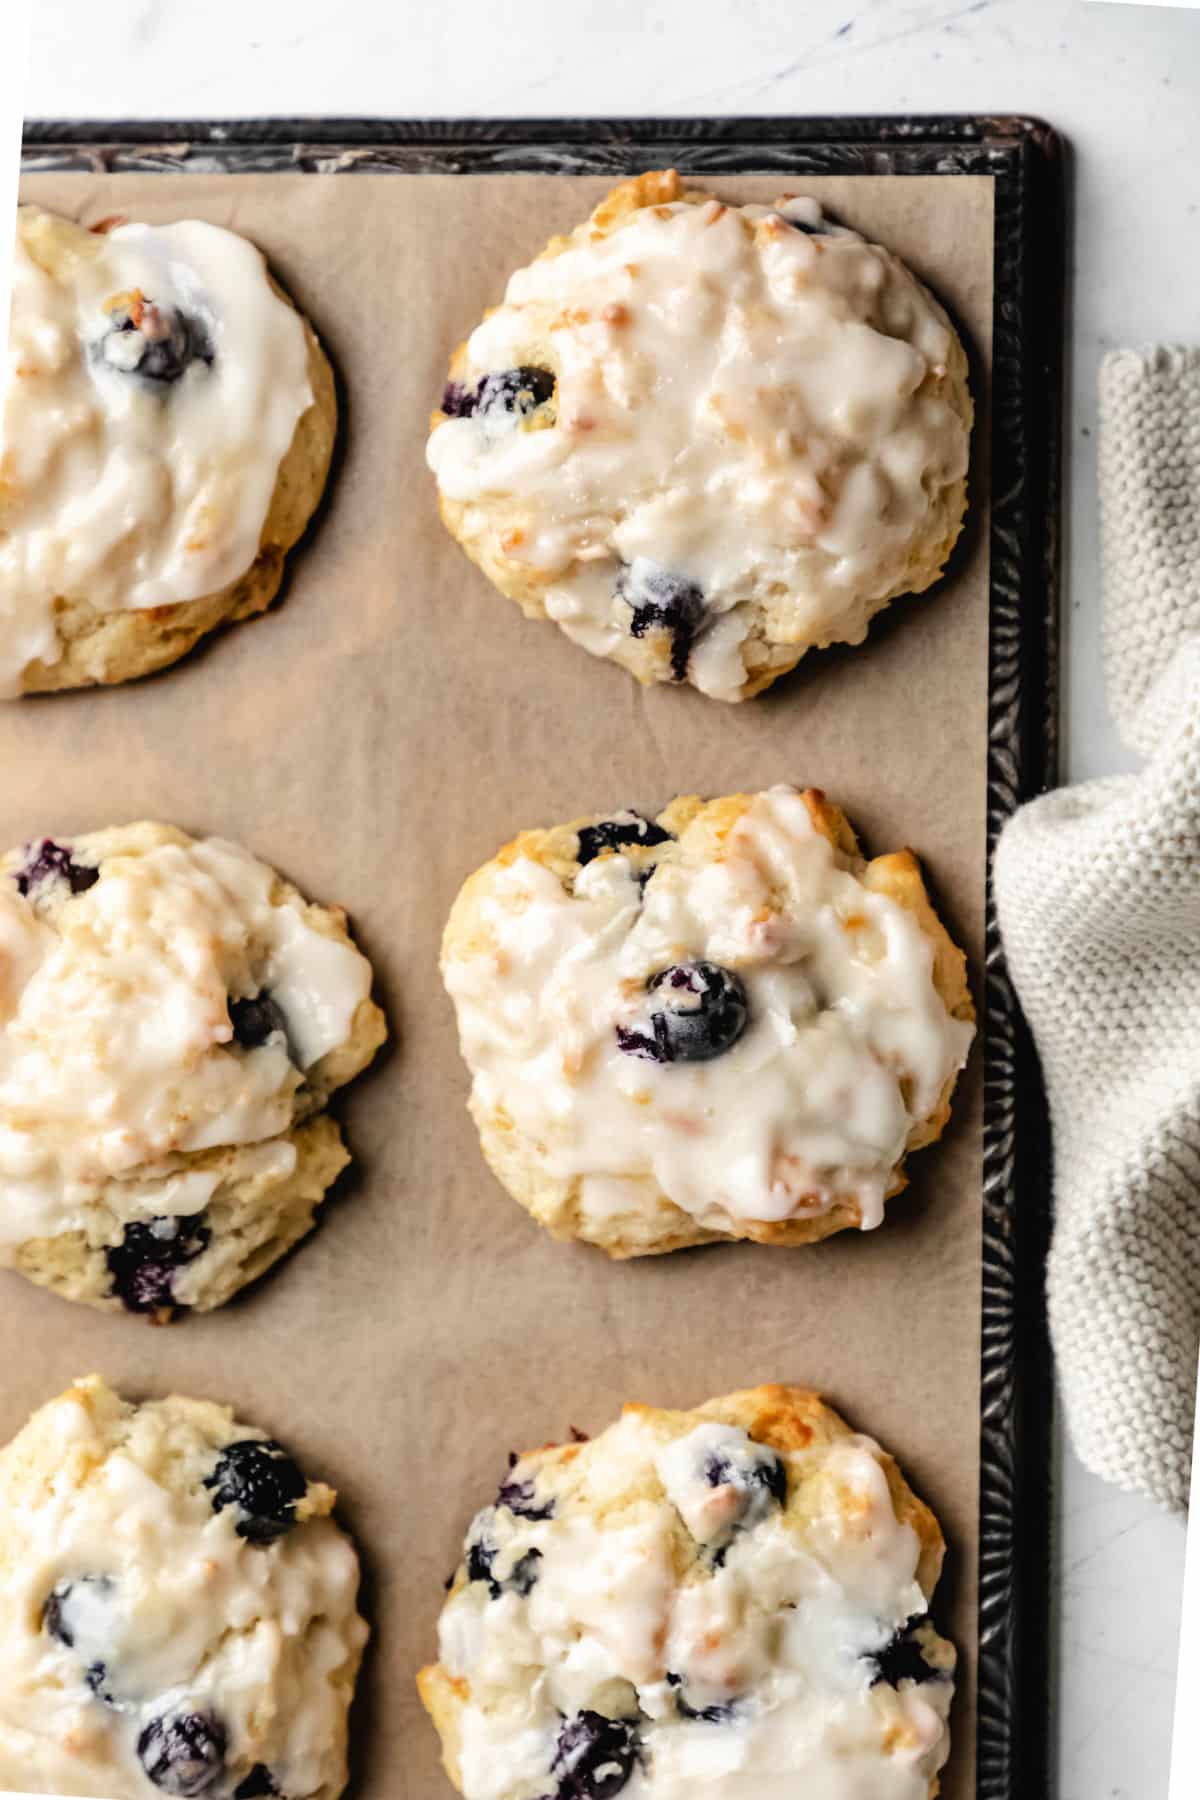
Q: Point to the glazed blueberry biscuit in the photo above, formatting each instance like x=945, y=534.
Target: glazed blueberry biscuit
x=177, y=1607
x=173, y=1018
x=724, y=1023
x=166, y=434
x=726, y=1602
x=705, y=439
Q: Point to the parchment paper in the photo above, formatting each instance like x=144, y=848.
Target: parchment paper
x=378, y=735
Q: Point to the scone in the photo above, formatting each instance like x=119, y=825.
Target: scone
x=731, y=1602
x=173, y=1018
x=165, y=437
x=177, y=1607
x=705, y=439
x=721, y=1024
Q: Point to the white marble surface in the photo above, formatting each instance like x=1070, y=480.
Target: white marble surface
x=1122, y=82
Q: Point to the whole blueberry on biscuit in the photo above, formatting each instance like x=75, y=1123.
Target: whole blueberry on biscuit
x=697, y=1011
x=256, y=1019
x=183, y=1753
x=143, y=1265
x=155, y=343
x=628, y=831
x=259, y=1480
x=514, y=391
x=594, y=1757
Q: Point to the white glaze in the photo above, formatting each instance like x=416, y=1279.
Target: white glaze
x=196, y=1613
x=753, y=409
x=780, y=1628
x=115, y=1057
x=807, y=1106
x=710, y=1511
x=118, y=491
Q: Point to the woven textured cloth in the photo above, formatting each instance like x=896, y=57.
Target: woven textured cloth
x=1098, y=895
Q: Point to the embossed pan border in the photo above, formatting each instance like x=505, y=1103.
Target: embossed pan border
x=1025, y=157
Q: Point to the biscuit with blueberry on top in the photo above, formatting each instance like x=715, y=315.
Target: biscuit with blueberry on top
x=174, y=1017
x=721, y=1023
x=177, y=1607
x=166, y=435
x=728, y=1601
x=704, y=438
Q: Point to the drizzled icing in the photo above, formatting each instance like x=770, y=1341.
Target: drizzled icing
x=760, y=412
x=105, y=1503
x=849, y=1044
x=117, y=1057
x=773, y=1641
x=117, y=490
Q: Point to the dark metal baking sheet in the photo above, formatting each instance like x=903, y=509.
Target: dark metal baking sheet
x=1025, y=159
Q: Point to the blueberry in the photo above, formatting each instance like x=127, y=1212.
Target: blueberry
x=765, y=1473
x=595, y=1756
x=255, y=1020
x=258, y=1785
x=258, y=1478
x=480, y=1557
x=143, y=1264
x=759, y=1480
x=53, y=1613
x=520, y=1498
x=521, y=1579
x=60, y=1618
x=902, y=1658
x=47, y=861
x=712, y=1715
x=619, y=834
x=519, y=391
x=183, y=1753
x=156, y=343
x=523, y=1576
x=660, y=601
x=704, y=1012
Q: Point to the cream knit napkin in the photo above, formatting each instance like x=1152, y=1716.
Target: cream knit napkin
x=1098, y=896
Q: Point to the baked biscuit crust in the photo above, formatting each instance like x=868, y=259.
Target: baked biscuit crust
x=691, y=1521
x=177, y=1606
x=535, y=1150
x=578, y=513
x=174, y=1018
x=96, y=642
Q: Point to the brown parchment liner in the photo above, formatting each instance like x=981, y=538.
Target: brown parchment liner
x=379, y=734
